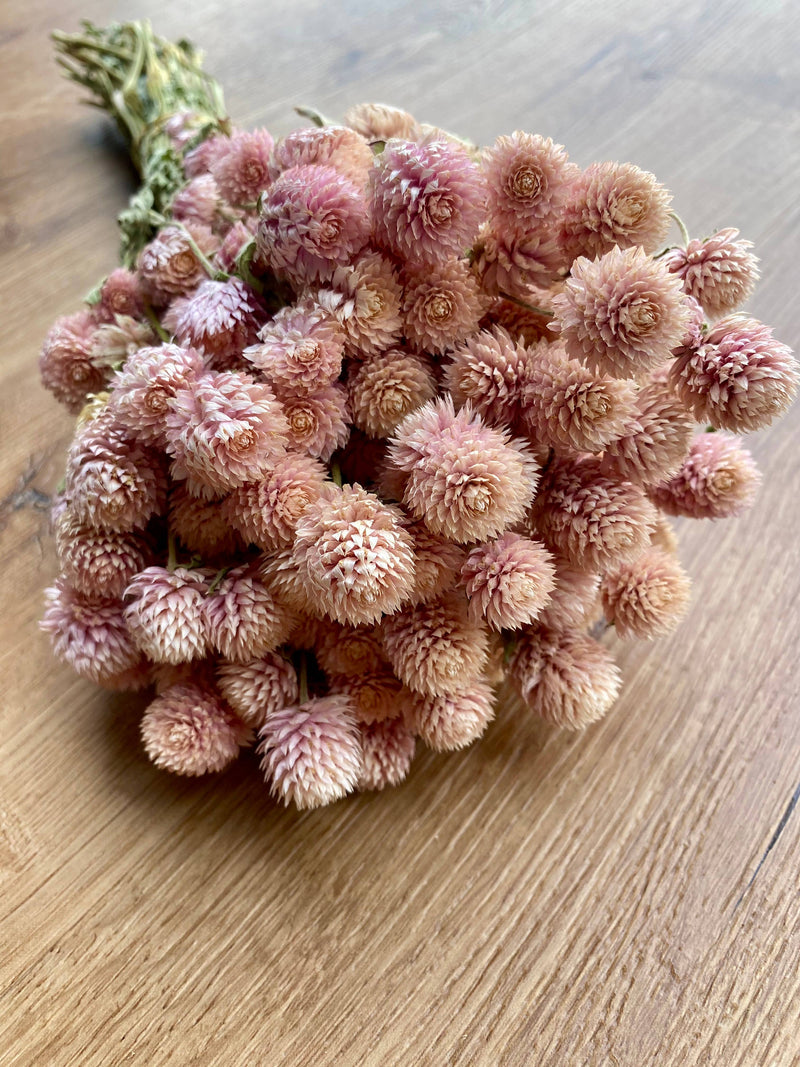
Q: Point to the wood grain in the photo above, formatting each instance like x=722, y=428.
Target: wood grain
x=624, y=897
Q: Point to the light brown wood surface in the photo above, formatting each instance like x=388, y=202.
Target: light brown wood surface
x=628, y=896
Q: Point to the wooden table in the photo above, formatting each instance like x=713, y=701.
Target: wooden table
x=628, y=896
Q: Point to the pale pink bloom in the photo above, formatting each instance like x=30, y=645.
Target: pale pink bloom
x=740, y=378
x=380, y=122
x=233, y=243
x=516, y=264
x=300, y=349
x=694, y=329
x=142, y=390
x=455, y=718
x=200, y=159
x=365, y=298
x=386, y=387
x=508, y=581
x=565, y=677
x=573, y=598
x=224, y=430
x=527, y=177
x=243, y=618
x=614, y=204
x=646, y=597
x=220, y=320
x=280, y=571
x=266, y=512
x=242, y=172
x=114, y=342
x=332, y=146
x=622, y=314
x=348, y=650
x=719, y=272
x=663, y=536
x=259, y=687
x=436, y=647
x=311, y=754
x=374, y=695
x=312, y=220
x=197, y=203
x=198, y=671
x=97, y=563
x=467, y=480
x=66, y=366
x=168, y=266
x=202, y=525
x=88, y=633
x=427, y=199
x=182, y=127
x=655, y=443
x=521, y=324
x=388, y=749
x=489, y=371
x=319, y=421
x=189, y=730
x=442, y=305
x=354, y=555
x=437, y=563
x=718, y=479
x=119, y=295
x=164, y=613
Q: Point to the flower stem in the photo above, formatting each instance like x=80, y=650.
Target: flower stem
x=303, y=677
x=528, y=307
x=172, y=557
x=336, y=473
x=681, y=226
x=152, y=318
x=217, y=579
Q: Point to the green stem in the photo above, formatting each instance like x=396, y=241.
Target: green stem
x=528, y=307
x=336, y=473
x=303, y=677
x=152, y=318
x=172, y=556
x=681, y=226
x=217, y=579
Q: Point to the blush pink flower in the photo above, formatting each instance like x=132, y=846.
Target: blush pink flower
x=718, y=479
x=198, y=202
x=374, y=695
x=312, y=220
x=573, y=598
x=241, y=233
x=442, y=305
x=318, y=422
x=142, y=389
x=349, y=650
x=311, y=754
x=437, y=563
x=224, y=430
x=266, y=512
x=489, y=371
x=520, y=323
x=388, y=748
x=169, y=266
x=189, y=730
x=380, y=122
x=200, y=159
x=527, y=177
x=427, y=199
x=333, y=146
x=516, y=264
x=96, y=563
x=66, y=366
x=646, y=597
x=384, y=388
x=740, y=378
x=280, y=571
x=467, y=480
x=621, y=314
x=655, y=443
x=508, y=581
x=300, y=349
x=164, y=613
x=242, y=172
x=365, y=299
x=719, y=272
x=201, y=525
x=242, y=617
x=220, y=320
x=119, y=295
x=259, y=687
x=454, y=719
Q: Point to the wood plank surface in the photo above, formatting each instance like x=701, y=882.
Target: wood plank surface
x=629, y=896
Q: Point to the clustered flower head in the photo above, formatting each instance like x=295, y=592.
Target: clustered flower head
x=378, y=420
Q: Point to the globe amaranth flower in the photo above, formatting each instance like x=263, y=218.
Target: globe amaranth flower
x=98, y=563
x=719, y=272
x=318, y=422
x=386, y=387
x=242, y=616
x=240, y=234
x=224, y=429
x=718, y=479
x=242, y=171
x=354, y=555
x=120, y=294
x=220, y=320
x=621, y=314
x=380, y=122
x=388, y=748
x=258, y=687
x=374, y=695
x=164, y=613
x=516, y=264
x=614, y=204
x=655, y=442
x=266, y=512
x=427, y=199
x=312, y=220
x=300, y=349
x=348, y=650
x=365, y=299
x=200, y=159
x=189, y=730
x=740, y=378
x=169, y=265
x=201, y=525
x=333, y=146
x=646, y=597
x=489, y=371
x=573, y=598
x=66, y=366
x=114, y=342
x=466, y=480
x=527, y=178
x=521, y=323
x=442, y=305
x=508, y=581
x=437, y=563
x=311, y=754
x=142, y=389
x=454, y=719
x=198, y=202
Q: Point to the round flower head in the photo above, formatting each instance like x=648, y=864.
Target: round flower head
x=259, y=687
x=281, y=573
x=220, y=320
x=520, y=323
x=353, y=554
x=349, y=650
x=573, y=598
x=489, y=371
x=718, y=479
x=442, y=305
x=334, y=146
x=65, y=363
x=379, y=122
x=142, y=389
x=242, y=617
x=614, y=204
x=240, y=234
x=312, y=220
x=119, y=295
x=97, y=563
x=164, y=613
x=435, y=647
x=663, y=536
x=266, y=512
x=224, y=430
x=437, y=563
x=242, y=172
x=201, y=525
x=655, y=442
x=311, y=754
x=189, y=730
x=199, y=159
x=622, y=314
x=426, y=198
x=88, y=633
x=508, y=581
x=375, y=696
x=365, y=299
x=384, y=388
x=565, y=677
x=565, y=405
x=318, y=421
x=739, y=379
x=593, y=520
x=467, y=481
x=388, y=749
x=647, y=596
x=527, y=177
x=198, y=202
x=719, y=272
x=169, y=265
x=515, y=264
x=455, y=719
x=300, y=350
